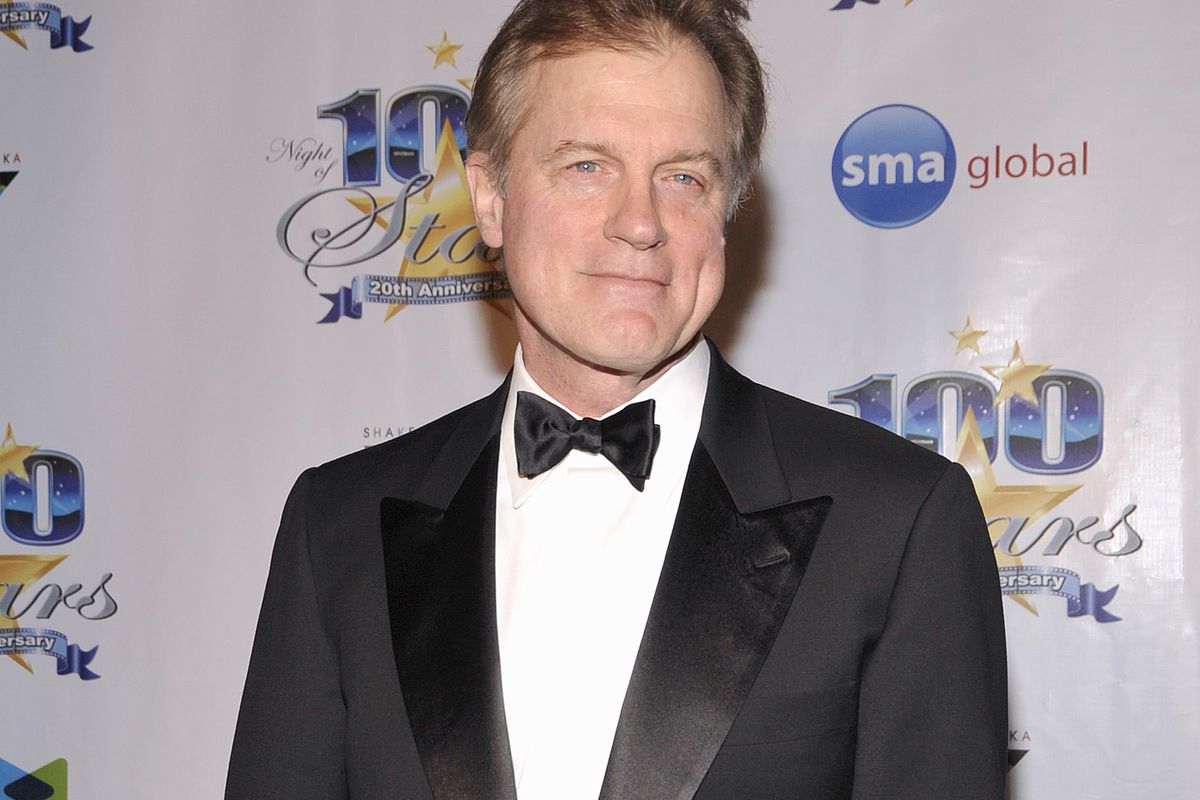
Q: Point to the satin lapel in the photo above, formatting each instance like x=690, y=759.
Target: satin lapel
x=440, y=568
x=726, y=586
x=736, y=430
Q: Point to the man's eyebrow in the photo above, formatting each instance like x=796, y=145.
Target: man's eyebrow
x=569, y=148
x=706, y=157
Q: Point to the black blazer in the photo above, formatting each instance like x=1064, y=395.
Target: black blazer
x=827, y=623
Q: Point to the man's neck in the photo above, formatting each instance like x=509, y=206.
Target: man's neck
x=587, y=390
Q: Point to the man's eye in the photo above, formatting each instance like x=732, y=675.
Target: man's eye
x=588, y=167
x=683, y=179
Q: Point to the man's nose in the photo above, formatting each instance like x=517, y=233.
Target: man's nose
x=634, y=217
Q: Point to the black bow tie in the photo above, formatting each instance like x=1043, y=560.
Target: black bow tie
x=545, y=433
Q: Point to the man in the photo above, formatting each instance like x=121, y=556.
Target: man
x=722, y=593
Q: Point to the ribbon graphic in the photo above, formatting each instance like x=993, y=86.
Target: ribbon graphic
x=72, y=660
x=1083, y=599
x=64, y=31
x=347, y=301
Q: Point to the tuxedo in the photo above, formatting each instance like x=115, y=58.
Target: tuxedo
x=827, y=623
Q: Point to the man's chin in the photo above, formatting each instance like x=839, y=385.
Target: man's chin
x=634, y=359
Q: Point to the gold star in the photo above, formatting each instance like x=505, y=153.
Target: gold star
x=968, y=338
x=443, y=51
x=468, y=83
x=23, y=570
x=1001, y=503
x=1017, y=377
x=447, y=199
x=16, y=37
x=13, y=455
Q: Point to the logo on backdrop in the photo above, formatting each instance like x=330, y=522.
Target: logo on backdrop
x=42, y=505
x=1018, y=746
x=8, y=171
x=1036, y=162
x=47, y=782
x=64, y=31
x=421, y=226
x=895, y=165
x=378, y=434
x=1051, y=424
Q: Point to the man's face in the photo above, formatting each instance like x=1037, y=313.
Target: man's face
x=613, y=222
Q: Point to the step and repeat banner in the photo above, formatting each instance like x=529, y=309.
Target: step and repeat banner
x=976, y=226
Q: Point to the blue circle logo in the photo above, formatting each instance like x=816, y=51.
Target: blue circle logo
x=893, y=166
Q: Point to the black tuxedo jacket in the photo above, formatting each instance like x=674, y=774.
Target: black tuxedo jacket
x=827, y=623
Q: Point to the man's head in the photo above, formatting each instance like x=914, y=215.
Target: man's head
x=607, y=150
x=537, y=30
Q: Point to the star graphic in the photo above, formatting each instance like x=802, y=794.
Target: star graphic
x=447, y=199
x=23, y=570
x=1017, y=377
x=13, y=455
x=443, y=51
x=16, y=37
x=1004, y=501
x=467, y=83
x=968, y=338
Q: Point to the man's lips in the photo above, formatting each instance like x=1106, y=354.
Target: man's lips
x=621, y=277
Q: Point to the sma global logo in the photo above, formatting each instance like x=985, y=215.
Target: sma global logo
x=894, y=166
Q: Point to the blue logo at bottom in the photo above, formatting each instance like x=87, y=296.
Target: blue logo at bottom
x=47, y=782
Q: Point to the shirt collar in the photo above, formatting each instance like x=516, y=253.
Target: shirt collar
x=678, y=397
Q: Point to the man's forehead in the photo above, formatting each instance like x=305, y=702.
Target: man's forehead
x=564, y=68
x=668, y=83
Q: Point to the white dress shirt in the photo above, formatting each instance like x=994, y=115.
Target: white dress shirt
x=578, y=554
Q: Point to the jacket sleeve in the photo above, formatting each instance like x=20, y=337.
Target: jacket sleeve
x=290, y=730
x=933, y=707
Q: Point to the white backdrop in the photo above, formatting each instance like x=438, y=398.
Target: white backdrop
x=160, y=341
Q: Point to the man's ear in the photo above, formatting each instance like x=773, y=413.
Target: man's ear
x=486, y=198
